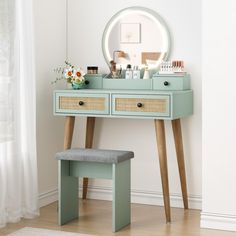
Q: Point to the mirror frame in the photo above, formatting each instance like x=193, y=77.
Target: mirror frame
x=151, y=14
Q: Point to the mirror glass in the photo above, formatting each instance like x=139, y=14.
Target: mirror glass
x=136, y=36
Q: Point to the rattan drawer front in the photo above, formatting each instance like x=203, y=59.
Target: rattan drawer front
x=147, y=105
x=82, y=103
x=144, y=106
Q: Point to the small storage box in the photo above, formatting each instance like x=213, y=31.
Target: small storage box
x=171, y=82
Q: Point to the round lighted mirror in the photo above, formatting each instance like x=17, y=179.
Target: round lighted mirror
x=136, y=36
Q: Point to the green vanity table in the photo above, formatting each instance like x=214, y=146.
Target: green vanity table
x=162, y=98
x=140, y=37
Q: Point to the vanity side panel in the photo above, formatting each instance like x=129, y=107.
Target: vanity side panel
x=182, y=104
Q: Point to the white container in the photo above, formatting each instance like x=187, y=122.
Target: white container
x=128, y=72
x=146, y=74
x=136, y=73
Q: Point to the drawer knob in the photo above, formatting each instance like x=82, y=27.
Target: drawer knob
x=166, y=83
x=86, y=82
x=81, y=103
x=139, y=104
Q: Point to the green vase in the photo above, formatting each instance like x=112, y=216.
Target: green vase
x=78, y=85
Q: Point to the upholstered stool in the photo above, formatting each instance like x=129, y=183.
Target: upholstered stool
x=94, y=163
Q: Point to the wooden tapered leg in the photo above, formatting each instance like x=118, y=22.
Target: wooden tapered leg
x=89, y=132
x=88, y=144
x=161, y=145
x=176, y=126
x=68, y=133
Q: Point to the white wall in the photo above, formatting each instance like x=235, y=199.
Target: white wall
x=87, y=20
x=219, y=116
x=50, y=40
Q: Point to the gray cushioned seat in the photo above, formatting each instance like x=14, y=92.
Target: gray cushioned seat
x=95, y=155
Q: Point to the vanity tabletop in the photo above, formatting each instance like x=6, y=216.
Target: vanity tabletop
x=123, y=91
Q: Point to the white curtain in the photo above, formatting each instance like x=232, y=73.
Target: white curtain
x=18, y=163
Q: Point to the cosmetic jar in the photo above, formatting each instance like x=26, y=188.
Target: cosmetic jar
x=92, y=70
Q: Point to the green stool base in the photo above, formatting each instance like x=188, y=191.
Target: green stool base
x=119, y=173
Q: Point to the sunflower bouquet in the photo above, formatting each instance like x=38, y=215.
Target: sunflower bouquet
x=73, y=76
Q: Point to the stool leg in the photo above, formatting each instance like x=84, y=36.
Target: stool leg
x=121, y=195
x=68, y=194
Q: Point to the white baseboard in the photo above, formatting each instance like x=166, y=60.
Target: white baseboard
x=145, y=197
x=137, y=196
x=218, y=221
x=48, y=197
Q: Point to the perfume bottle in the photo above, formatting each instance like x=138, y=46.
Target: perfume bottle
x=128, y=72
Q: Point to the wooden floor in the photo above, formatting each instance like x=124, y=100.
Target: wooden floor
x=96, y=219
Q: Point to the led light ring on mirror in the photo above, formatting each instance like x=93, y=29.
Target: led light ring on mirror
x=143, y=11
